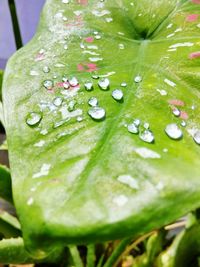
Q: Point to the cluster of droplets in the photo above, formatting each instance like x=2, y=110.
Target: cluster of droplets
x=144, y=132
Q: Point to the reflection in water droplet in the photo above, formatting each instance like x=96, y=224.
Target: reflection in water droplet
x=197, y=137
x=133, y=128
x=88, y=85
x=57, y=101
x=48, y=84
x=147, y=136
x=176, y=112
x=138, y=79
x=117, y=94
x=33, y=118
x=104, y=83
x=173, y=131
x=93, y=102
x=46, y=69
x=73, y=81
x=97, y=113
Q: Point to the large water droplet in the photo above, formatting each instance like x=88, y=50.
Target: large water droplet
x=117, y=94
x=88, y=85
x=57, y=101
x=173, y=131
x=197, y=137
x=97, y=113
x=176, y=112
x=93, y=102
x=104, y=83
x=48, y=84
x=73, y=81
x=147, y=136
x=33, y=118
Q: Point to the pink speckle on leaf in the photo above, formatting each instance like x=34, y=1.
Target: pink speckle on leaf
x=87, y=67
x=194, y=55
x=192, y=17
x=184, y=115
x=196, y=2
x=80, y=67
x=82, y=2
x=176, y=102
x=89, y=39
x=39, y=57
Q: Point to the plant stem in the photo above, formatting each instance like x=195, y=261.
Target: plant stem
x=15, y=23
x=76, y=256
x=90, y=255
x=117, y=252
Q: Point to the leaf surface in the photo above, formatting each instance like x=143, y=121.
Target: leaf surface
x=81, y=180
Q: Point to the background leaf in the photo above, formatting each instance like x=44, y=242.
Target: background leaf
x=85, y=180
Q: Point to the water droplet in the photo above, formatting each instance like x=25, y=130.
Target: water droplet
x=93, y=102
x=97, y=113
x=123, y=84
x=138, y=79
x=183, y=123
x=73, y=81
x=33, y=118
x=147, y=136
x=146, y=125
x=97, y=37
x=197, y=137
x=104, y=83
x=65, y=46
x=65, y=1
x=137, y=122
x=133, y=128
x=95, y=75
x=79, y=118
x=66, y=85
x=48, y=84
x=121, y=46
x=117, y=94
x=64, y=79
x=71, y=105
x=176, y=112
x=88, y=85
x=57, y=101
x=173, y=131
x=46, y=69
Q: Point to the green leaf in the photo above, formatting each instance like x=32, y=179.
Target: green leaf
x=5, y=184
x=1, y=106
x=81, y=180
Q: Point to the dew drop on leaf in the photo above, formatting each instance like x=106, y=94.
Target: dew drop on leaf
x=147, y=136
x=173, y=131
x=197, y=137
x=117, y=94
x=176, y=112
x=104, y=83
x=79, y=118
x=73, y=81
x=93, y=102
x=133, y=128
x=88, y=85
x=46, y=69
x=57, y=101
x=33, y=118
x=138, y=79
x=48, y=84
x=97, y=113
x=183, y=124
x=71, y=105
x=123, y=84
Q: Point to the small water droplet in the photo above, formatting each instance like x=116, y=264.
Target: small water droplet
x=93, y=102
x=64, y=79
x=197, y=137
x=146, y=125
x=73, y=81
x=133, y=128
x=138, y=79
x=97, y=37
x=173, y=131
x=137, y=122
x=117, y=94
x=46, y=69
x=48, y=84
x=104, y=83
x=176, y=112
x=71, y=105
x=95, y=75
x=183, y=123
x=65, y=1
x=88, y=85
x=147, y=136
x=65, y=46
x=33, y=118
x=97, y=113
x=57, y=101
x=123, y=84
x=79, y=118
x=66, y=85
